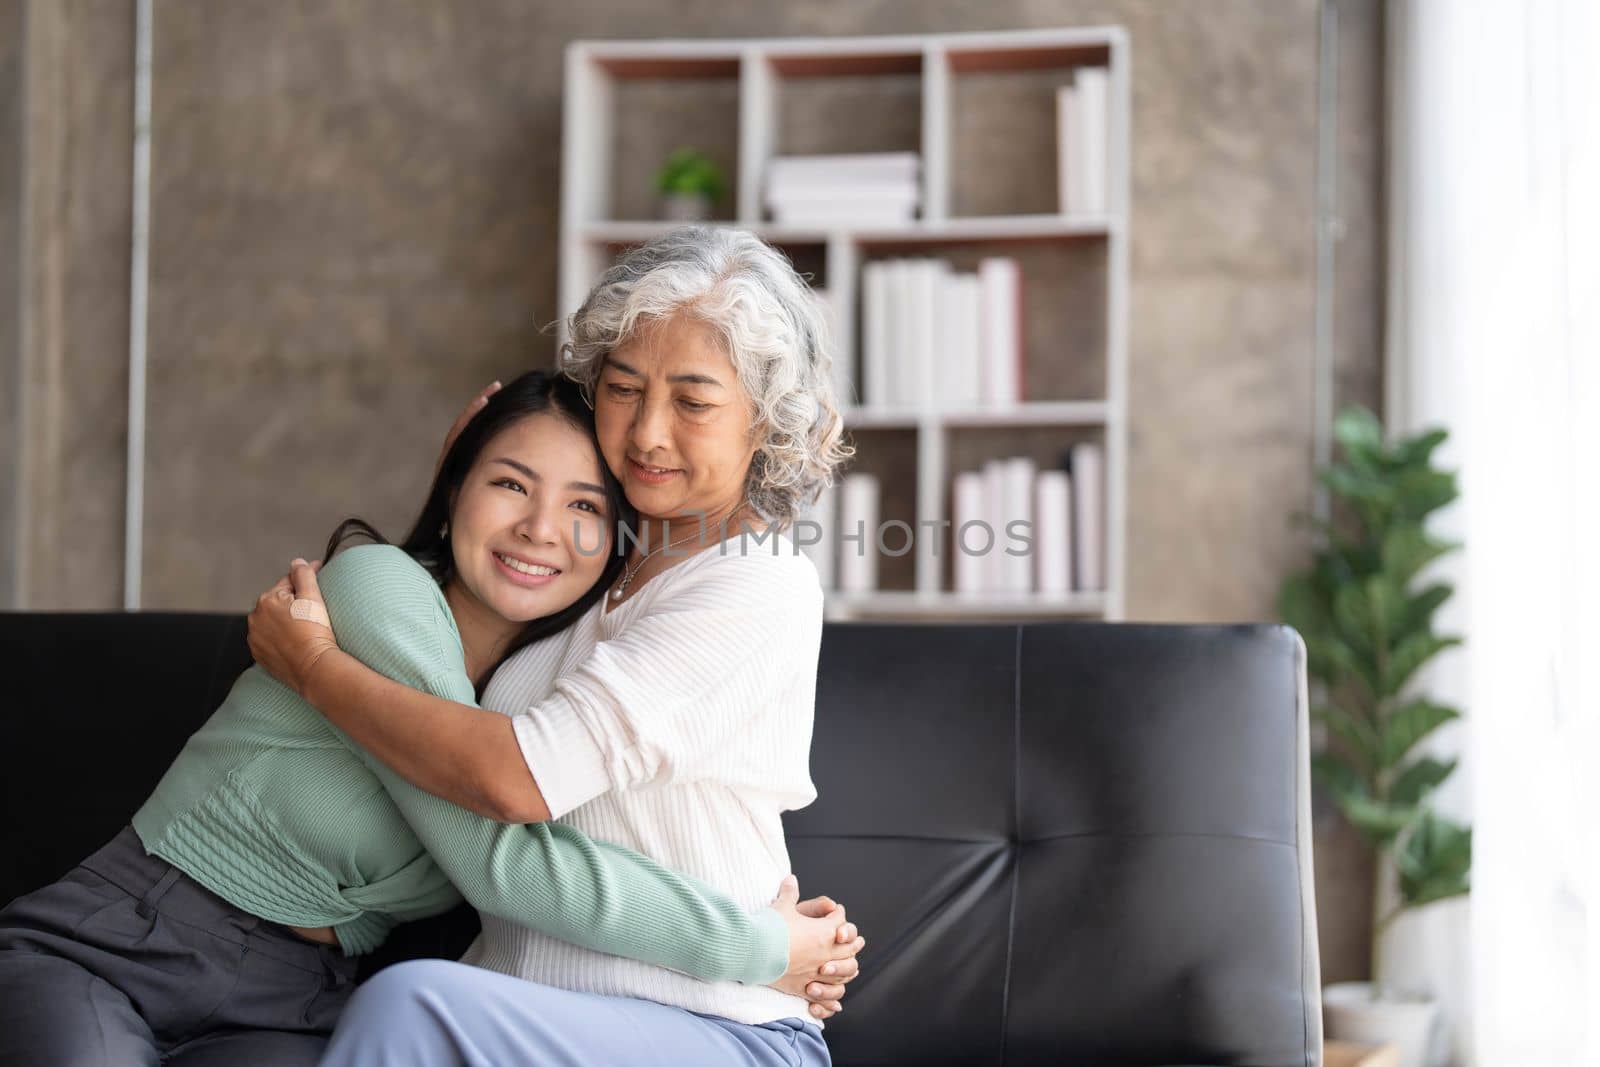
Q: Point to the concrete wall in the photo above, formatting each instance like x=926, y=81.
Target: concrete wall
x=73, y=225
x=354, y=226
x=11, y=67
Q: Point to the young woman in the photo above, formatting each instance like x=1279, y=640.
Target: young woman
x=226, y=919
x=675, y=716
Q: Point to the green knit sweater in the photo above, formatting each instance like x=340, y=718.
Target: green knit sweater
x=276, y=810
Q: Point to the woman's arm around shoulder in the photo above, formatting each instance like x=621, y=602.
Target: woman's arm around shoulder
x=388, y=612
x=404, y=718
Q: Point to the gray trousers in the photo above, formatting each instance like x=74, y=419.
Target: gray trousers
x=126, y=960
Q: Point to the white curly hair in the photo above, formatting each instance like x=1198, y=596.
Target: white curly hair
x=762, y=311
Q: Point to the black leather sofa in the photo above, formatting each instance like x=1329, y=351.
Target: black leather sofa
x=1067, y=843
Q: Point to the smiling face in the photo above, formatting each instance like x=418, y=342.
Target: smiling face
x=530, y=529
x=674, y=422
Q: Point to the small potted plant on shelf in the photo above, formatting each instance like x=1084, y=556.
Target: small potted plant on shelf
x=689, y=184
x=1368, y=628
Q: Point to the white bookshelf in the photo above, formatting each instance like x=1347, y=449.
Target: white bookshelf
x=761, y=69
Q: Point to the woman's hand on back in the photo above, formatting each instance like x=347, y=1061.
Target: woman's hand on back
x=284, y=646
x=823, y=947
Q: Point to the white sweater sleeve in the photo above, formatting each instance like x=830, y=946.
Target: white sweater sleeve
x=686, y=690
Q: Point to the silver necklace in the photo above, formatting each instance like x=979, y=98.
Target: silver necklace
x=627, y=575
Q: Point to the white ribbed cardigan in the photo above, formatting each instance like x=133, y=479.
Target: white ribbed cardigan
x=679, y=725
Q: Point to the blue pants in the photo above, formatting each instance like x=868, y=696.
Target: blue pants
x=439, y=1012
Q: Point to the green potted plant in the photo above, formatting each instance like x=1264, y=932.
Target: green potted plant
x=689, y=183
x=1366, y=615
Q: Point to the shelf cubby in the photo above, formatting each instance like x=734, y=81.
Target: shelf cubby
x=1064, y=303
x=891, y=455
x=968, y=448
x=1002, y=105
x=825, y=98
x=834, y=105
x=656, y=107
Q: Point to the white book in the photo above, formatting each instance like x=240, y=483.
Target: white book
x=818, y=528
x=1052, y=533
x=844, y=370
x=879, y=165
x=1094, y=96
x=922, y=369
x=1069, y=150
x=1018, y=497
x=966, y=506
x=858, y=534
x=947, y=339
x=897, y=328
x=844, y=206
x=791, y=192
x=995, y=574
x=781, y=179
x=864, y=216
x=1088, y=515
x=1001, y=318
x=874, y=335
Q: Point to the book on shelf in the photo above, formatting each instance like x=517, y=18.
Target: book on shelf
x=958, y=340
x=1069, y=153
x=1008, y=500
x=898, y=354
x=873, y=348
x=1020, y=545
x=868, y=189
x=967, y=511
x=1087, y=464
x=818, y=535
x=831, y=213
x=857, y=566
x=933, y=338
x=994, y=503
x=1052, y=533
x=1001, y=319
x=844, y=363
x=863, y=166
x=1082, y=142
x=920, y=384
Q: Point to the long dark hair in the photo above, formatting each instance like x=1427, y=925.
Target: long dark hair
x=536, y=392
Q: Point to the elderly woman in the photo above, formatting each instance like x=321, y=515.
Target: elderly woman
x=674, y=718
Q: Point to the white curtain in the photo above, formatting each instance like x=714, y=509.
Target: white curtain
x=1493, y=333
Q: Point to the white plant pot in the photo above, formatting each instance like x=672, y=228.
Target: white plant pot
x=685, y=207
x=1350, y=1013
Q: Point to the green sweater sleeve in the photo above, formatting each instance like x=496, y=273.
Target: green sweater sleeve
x=388, y=613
